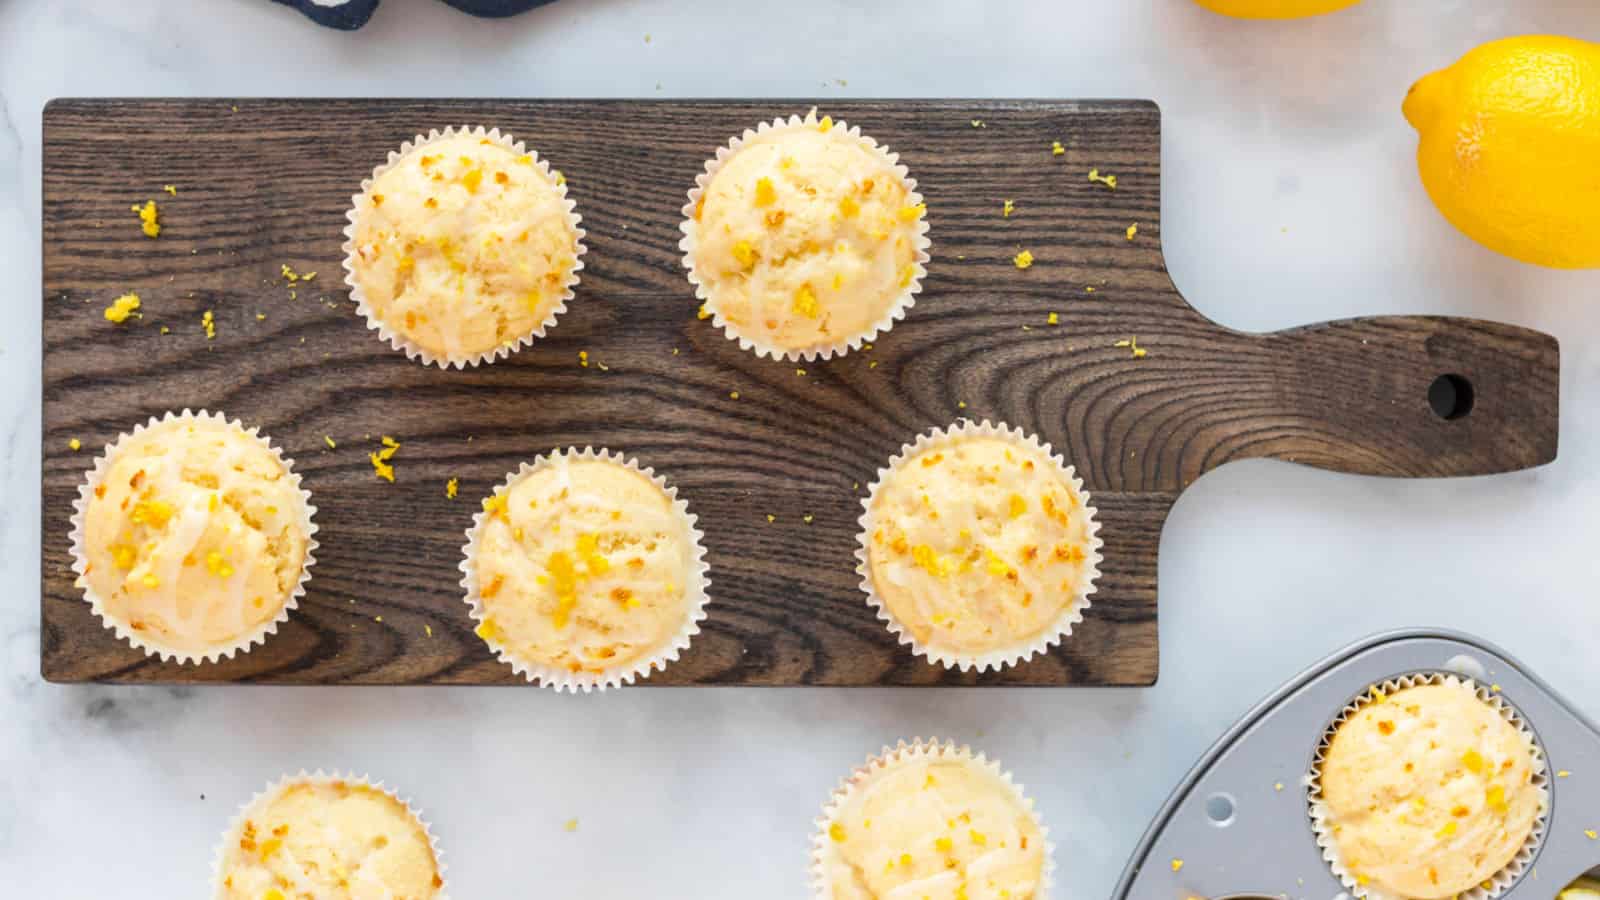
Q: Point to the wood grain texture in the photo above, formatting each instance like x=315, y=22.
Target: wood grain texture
x=262, y=183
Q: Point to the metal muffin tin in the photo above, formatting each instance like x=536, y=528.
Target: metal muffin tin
x=1240, y=822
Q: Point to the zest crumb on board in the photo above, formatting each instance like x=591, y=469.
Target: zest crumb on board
x=380, y=459
x=149, y=218
x=123, y=307
x=1132, y=345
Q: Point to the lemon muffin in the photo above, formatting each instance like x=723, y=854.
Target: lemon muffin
x=1428, y=792
x=192, y=537
x=331, y=839
x=806, y=239
x=979, y=546
x=930, y=821
x=463, y=248
x=585, y=571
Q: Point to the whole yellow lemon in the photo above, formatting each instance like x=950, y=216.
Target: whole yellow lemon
x=1510, y=147
x=1275, y=9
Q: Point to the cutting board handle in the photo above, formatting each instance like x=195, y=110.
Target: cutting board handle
x=1410, y=396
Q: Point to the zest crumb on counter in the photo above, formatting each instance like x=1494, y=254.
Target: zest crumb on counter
x=329, y=441
x=209, y=323
x=171, y=189
x=149, y=218
x=1007, y=209
x=74, y=445
x=451, y=487
x=1056, y=149
x=1133, y=230
x=1109, y=181
x=122, y=307
x=1023, y=260
x=1053, y=319
x=1132, y=345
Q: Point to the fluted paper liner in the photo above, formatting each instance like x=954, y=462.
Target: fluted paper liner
x=1499, y=882
x=80, y=559
x=399, y=341
x=999, y=658
x=822, y=847
x=897, y=310
x=231, y=836
x=696, y=585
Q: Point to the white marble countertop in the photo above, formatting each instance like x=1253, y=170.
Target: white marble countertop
x=1290, y=196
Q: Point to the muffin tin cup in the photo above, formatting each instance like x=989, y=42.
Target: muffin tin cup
x=696, y=586
x=1236, y=826
x=235, y=829
x=80, y=558
x=399, y=341
x=1497, y=883
x=1070, y=615
x=896, y=311
x=822, y=851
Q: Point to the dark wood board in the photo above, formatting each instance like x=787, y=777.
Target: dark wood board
x=262, y=183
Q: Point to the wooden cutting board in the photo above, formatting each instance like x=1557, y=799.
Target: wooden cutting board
x=264, y=183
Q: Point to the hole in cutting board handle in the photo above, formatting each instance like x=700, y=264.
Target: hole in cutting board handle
x=1451, y=396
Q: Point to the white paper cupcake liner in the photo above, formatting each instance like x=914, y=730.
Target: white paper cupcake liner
x=696, y=586
x=1317, y=808
x=80, y=558
x=822, y=846
x=897, y=310
x=401, y=342
x=235, y=829
x=1070, y=616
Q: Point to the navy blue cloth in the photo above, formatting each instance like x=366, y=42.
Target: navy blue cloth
x=353, y=14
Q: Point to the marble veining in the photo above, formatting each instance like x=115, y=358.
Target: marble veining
x=1290, y=196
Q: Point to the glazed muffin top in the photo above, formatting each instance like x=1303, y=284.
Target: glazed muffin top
x=194, y=535
x=805, y=238
x=463, y=246
x=584, y=565
x=1429, y=792
x=330, y=840
x=978, y=543
x=932, y=827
